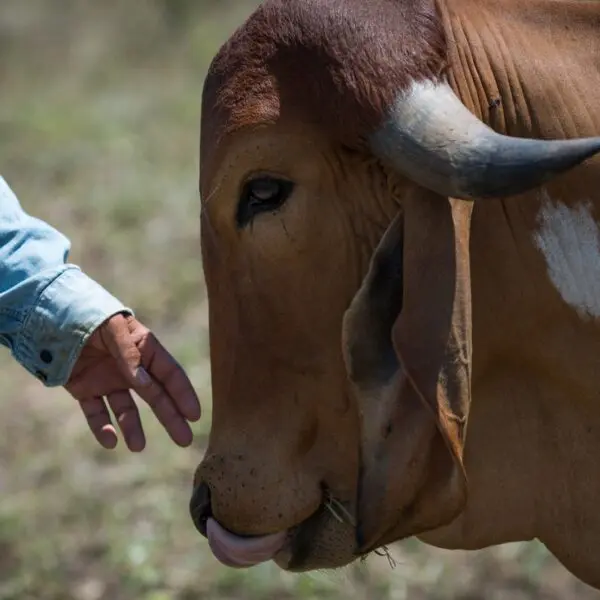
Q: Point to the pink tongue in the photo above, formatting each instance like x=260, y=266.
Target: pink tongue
x=239, y=552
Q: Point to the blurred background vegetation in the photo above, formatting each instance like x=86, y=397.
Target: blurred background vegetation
x=99, y=118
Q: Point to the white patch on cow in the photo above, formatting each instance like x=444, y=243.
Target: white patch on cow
x=569, y=239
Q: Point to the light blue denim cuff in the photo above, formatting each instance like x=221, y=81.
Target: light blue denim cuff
x=59, y=322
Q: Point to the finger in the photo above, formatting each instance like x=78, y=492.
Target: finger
x=128, y=418
x=165, y=410
x=99, y=421
x=168, y=373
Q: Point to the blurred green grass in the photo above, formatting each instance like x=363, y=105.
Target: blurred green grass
x=99, y=117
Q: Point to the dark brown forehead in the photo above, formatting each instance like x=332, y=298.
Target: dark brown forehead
x=336, y=64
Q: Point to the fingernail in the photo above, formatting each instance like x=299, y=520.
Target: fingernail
x=142, y=377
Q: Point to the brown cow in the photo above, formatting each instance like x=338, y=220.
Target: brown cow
x=340, y=418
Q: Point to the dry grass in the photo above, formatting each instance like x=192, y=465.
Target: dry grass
x=98, y=129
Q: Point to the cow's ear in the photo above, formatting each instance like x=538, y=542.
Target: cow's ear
x=407, y=348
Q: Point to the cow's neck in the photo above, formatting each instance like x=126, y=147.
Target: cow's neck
x=531, y=68
x=527, y=68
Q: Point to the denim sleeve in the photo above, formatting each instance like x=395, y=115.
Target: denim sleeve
x=48, y=308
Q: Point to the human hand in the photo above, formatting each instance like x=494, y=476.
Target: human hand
x=123, y=354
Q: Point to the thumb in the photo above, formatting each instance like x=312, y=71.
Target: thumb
x=121, y=344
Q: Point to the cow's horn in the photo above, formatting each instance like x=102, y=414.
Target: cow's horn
x=432, y=138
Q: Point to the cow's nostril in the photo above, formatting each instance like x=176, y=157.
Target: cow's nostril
x=200, y=509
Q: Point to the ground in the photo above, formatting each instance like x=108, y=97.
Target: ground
x=99, y=119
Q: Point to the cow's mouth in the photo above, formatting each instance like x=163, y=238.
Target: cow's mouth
x=291, y=549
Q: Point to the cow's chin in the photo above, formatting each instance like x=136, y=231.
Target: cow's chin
x=324, y=541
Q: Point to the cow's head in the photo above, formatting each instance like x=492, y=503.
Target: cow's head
x=341, y=356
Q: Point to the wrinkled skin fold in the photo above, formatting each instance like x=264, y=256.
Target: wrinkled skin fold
x=414, y=415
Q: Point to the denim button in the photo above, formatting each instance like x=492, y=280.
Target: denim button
x=46, y=356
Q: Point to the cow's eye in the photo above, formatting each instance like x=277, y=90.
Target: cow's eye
x=262, y=194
